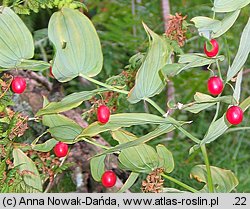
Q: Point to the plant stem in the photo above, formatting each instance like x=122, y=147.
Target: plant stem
x=191, y=189
x=209, y=174
x=217, y=112
x=156, y=106
x=105, y=85
x=94, y=143
x=178, y=126
x=218, y=66
x=186, y=133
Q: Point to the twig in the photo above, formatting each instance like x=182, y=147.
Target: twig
x=41, y=79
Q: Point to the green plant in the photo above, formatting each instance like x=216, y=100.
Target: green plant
x=78, y=52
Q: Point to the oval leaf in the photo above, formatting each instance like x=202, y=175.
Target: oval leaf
x=65, y=133
x=122, y=120
x=145, y=155
x=16, y=41
x=242, y=54
x=229, y=5
x=78, y=48
x=62, y=128
x=148, y=81
x=216, y=27
x=129, y=182
x=198, y=107
x=237, y=89
x=223, y=180
x=69, y=102
x=97, y=167
x=220, y=126
x=31, y=176
x=160, y=130
x=46, y=146
x=34, y=65
x=165, y=158
x=226, y=24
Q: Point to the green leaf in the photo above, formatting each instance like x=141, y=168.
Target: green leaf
x=160, y=130
x=78, y=48
x=219, y=127
x=145, y=155
x=54, y=120
x=122, y=120
x=204, y=98
x=245, y=104
x=165, y=158
x=229, y=5
x=198, y=107
x=66, y=133
x=16, y=41
x=198, y=60
x=129, y=182
x=148, y=81
x=205, y=23
x=226, y=24
x=97, y=167
x=242, y=54
x=187, y=61
x=204, y=101
x=237, y=89
x=31, y=176
x=216, y=27
x=69, y=102
x=62, y=128
x=123, y=136
x=216, y=129
x=171, y=70
x=34, y=65
x=224, y=181
x=46, y=146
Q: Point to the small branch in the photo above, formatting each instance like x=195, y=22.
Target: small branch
x=209, y=174
x=41, y=79
x=246, y=71
x=134, y=14
x=191, y=189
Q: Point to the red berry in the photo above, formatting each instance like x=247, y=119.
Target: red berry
x=61, y=149
x=18, y=85
x=103, y=114
x=214, y=51
x=50, y=72
x=215, y=85
x=234, y=115
x=108, y=179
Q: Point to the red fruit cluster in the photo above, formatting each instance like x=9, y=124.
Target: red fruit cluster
x=108, y=179
x=61, y=149
x=234, y=114
x=103, y=114
x=18, y=85
x=215, y=48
